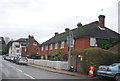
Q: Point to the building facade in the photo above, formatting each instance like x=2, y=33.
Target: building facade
x=23, y=46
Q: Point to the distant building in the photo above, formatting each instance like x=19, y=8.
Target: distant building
x=2, y=46
x=23, y=46
x=85, y=36
x=7, y=39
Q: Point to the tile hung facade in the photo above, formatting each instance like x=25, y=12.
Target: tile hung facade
x=84, y=37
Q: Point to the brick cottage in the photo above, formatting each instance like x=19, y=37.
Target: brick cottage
x=84, y=37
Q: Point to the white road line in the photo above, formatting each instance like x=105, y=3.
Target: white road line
x=19, y=70
x=29, y=76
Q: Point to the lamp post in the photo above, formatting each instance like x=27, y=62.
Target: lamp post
x=70, y=44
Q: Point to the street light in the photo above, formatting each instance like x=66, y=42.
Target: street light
x=70, y=43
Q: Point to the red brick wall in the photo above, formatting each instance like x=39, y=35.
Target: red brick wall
x=31, y=49
x=79, y=44
x=82, y=43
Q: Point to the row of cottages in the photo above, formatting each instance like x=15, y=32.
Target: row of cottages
x=84, y=37
x=23, y=46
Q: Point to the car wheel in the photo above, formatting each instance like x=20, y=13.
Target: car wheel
x=117, y=77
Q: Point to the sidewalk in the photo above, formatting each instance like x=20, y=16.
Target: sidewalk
x=62, y=71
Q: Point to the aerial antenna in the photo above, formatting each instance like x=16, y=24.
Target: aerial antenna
x=101, y=12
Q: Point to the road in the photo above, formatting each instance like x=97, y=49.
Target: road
x=14, y=71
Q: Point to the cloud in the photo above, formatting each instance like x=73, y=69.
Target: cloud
x=42, y=18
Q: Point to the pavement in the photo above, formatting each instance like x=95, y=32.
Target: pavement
x=62, y=71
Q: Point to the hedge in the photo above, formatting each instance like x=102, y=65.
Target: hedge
x=96, y=57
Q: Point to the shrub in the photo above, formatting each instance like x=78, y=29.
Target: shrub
x=34, y=56
x=96, y=57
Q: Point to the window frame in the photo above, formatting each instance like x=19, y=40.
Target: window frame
x=62, y=45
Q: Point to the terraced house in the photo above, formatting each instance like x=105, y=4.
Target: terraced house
x=85, y=36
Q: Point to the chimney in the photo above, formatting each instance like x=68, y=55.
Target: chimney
x=79, y=24
x=67, y=29
x=31, y=37
x=56, y=33
x=101, y=21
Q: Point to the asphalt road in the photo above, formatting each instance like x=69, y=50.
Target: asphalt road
x=14, y=71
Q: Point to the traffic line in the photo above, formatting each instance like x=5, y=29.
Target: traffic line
x=29, y=76
x=19, y=70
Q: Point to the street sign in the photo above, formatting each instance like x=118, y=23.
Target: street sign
x=70, y=39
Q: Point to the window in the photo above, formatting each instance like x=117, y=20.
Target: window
x=34, y=43
x=17, y=51
x=51, y=46
x=42, y=48
x=17, y=46
x=56, y=45
x=46, y=47
x=93, y=42
x=62, y=44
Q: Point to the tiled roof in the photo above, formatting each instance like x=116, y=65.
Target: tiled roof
x=89, y=30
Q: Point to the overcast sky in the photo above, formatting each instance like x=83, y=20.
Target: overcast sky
x=42, y=18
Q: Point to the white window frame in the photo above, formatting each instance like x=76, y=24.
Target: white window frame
x=34, y=43
x=93, y=42
x=56, y=45
x=42, y=48
x=51, y=46
x=46, y=47
x=62, y=44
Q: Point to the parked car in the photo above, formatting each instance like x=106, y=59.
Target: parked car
x=7, y=58
x=4, y=57
x=12, y=58
x=112, y=71
x=21, y=60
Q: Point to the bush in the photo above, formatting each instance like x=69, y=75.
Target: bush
x=96, y=57
x=34, y=56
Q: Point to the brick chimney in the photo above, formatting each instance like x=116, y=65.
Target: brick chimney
x=101, y=21
x=31, y=37
x=67, y=29
x=56, y=33
x=79, y=24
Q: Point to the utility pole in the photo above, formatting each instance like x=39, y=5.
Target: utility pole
x=70, y=43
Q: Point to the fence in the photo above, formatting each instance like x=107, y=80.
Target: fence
x=52, y=64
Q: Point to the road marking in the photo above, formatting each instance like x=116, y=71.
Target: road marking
x=29, y=76
x=19, y=70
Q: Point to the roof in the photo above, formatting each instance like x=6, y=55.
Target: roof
x=88, y=30
x=21, y=40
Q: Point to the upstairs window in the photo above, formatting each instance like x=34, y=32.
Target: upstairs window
x=51, y=46
x=56, y=45
x=62, y=44
x=42, y=48
x=93, y=42
x=17, y=51
x=17, y=46
x=46, y=47
x=34, y=43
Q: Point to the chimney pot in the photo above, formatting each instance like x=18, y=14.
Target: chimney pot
x=67, y=29
x=56, y=33
x=79, y=24
x=101, y=21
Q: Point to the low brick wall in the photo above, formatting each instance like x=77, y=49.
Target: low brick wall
x=47, y=63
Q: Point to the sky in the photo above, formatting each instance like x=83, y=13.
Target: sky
x=42, y=18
